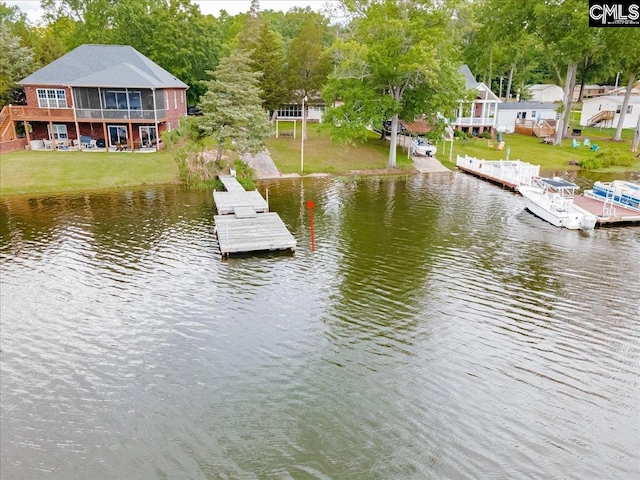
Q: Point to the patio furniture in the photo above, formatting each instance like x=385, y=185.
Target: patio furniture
x=576, y=131
x=92, y=143
x=574, y=143
x=586, y=142
x=48, y=144
x=76, y=143
x=86, y=140
x=62, y=144
x=489, y=144
x=500, y=146
x=595, y=147
x=100, y=143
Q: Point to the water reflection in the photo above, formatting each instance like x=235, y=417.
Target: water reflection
x=438, y=330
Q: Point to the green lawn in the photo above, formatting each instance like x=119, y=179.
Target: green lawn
x=549, y=157
x=322, y=155
x=48, y=172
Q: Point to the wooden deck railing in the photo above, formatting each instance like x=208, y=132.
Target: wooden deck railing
x=601, y=117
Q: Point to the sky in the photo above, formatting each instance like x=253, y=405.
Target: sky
x=33, y=11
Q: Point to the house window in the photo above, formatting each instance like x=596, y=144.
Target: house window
x=599, y=107
x=533, y=114
x=293, y=110
x=59, y=132
x=51, y=98
x=119, y=100
x=629, y=108
x=182, y=96
x=166, y=99
x=618, y=108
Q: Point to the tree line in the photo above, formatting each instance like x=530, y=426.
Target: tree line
x=383, y=59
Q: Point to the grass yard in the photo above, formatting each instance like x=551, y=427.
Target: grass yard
x=322, y=155
x=549, y=157
x=28, y=172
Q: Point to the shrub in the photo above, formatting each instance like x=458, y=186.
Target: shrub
x=245, y=175
x=485, y=135
x=460, y=134
x=591, y=163
x=609, y=158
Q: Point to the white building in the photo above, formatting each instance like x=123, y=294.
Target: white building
x=545, y=93
x=478, y=115
x=509, y=113
x=605, y=111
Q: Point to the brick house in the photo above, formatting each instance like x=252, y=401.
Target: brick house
x=96, y=96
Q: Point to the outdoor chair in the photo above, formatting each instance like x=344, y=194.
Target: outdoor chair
x=595, y=147
x=575, y=143
x=586, y=142
x=489, y=143
x=48, y=144
x=76, y=144
x=500, y=146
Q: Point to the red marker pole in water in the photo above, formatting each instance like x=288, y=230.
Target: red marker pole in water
x=310, y=206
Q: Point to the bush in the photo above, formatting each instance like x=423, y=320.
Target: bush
x=245, y=175
x=460, y=134
x=485, y=135
x=610, y=158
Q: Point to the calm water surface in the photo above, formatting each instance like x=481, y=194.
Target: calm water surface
x=438, y=331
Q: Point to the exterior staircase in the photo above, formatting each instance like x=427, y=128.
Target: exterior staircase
x=602, y=116
x=6, y=130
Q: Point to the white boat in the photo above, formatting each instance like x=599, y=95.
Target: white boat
x=423, y=147
x=620, y=192
x=552, y=200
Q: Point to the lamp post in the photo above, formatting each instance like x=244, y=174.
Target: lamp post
x=304, y=99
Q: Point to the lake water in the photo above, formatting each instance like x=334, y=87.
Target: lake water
x=438, y=330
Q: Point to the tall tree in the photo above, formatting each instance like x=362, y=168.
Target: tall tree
x=308, y=67
x=268, y=58
x=232, y=108
x=398, y=59
x=16, y=62
x=626, y=43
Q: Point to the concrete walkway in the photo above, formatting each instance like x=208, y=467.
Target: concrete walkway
x=426, y=164
x=263, y=165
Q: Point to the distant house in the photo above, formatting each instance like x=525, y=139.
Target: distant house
x=97, y=94
x=546, y=93
x=605, y=111
x=510, y=114
x=478, y=115
x=589, y=91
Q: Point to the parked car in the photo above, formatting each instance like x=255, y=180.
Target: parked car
x=387, y=127
x=421, y=146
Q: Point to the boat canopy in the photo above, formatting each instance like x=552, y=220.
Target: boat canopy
x=558, y=183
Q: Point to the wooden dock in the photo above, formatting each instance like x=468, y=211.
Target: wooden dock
x=244, y=224
x=606, y=213
x=508, y=173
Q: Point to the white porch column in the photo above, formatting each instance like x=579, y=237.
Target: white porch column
x=484, y=108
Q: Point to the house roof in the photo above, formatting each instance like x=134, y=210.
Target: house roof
x=418, y=126
x=543, y=86
x=613, y=98
x=527, y=106
x=468, y=76
x=104, y=66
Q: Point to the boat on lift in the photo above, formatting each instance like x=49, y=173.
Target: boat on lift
x=552, y=200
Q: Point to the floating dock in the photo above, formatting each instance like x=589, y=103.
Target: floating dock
x=508, y=173
x=606, y=213
x=244, y=223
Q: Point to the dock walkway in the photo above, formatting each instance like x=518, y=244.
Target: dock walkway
x=606, y=214
x=508, y=173
x=244, y=223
